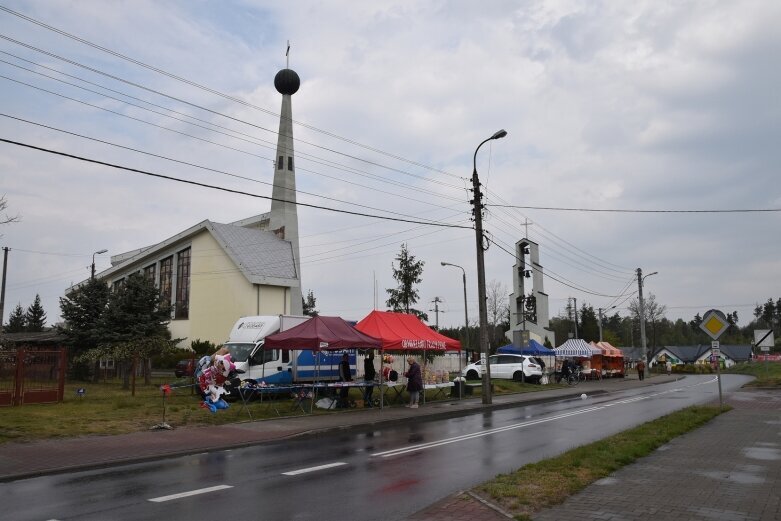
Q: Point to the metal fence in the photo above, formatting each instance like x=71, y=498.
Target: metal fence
x=32, y=375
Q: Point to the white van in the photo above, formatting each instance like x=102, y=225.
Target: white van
x=276, y=366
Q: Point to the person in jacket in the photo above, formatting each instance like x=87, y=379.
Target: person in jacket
x=640, y=369
x=414, y=382
x=344, y=376
x=369, y=373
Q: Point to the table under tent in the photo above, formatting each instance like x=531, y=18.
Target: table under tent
x=320, y=334
x=612, y=360
x=537, y=350
x=587, y=356
x=402, y=335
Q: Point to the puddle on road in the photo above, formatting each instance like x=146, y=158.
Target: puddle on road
x=746, y=475
x=762, y=453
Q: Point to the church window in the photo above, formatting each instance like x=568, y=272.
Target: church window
x=182, y=308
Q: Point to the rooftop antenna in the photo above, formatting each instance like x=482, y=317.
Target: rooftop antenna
x=287, y=56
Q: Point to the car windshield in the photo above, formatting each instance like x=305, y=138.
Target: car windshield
x=239, y=352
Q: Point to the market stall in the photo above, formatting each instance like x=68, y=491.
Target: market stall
x=612, y=360
x=404, y=334
x=323, y=334
x=588, y=357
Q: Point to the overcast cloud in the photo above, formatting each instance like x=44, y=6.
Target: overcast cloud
x=615, y=105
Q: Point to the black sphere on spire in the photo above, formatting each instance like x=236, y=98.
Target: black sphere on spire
x=287, y=81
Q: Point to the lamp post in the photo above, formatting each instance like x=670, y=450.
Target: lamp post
x=600, y=310
x=478, y=214
x=92, y=276
x=466, y=318
x=640, y=279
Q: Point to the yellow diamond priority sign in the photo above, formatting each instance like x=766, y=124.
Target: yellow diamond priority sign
x=714, y=323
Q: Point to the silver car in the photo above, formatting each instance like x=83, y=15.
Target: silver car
x=507, y=367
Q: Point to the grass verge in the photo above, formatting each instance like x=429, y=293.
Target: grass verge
x=546, y=483
x=768, y=374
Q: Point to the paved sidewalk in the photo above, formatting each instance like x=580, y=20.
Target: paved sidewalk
x=728, y=470
x=21, y=460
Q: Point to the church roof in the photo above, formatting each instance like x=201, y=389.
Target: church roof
x=261, y=256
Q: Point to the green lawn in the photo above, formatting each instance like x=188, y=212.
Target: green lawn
x=549, y=482
x=768, y=374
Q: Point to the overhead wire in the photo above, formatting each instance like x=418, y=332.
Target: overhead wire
x=229, y=190
x=214, y=91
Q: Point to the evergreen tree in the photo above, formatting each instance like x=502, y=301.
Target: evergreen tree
x=82, y=311
x=407, y=275
x=35, y=316
x=16, y=320
x=133, y=325
x=589, y=326
x=309, y=304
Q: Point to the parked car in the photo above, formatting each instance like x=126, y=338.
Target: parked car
x=184, y=368
x=508, y=367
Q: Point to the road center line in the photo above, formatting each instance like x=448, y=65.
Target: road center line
x=188, y=494
x=314, y=469
x=447, y=441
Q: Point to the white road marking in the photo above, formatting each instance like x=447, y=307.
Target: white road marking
x=190, y=493
x=313, y=469
x=479, y=434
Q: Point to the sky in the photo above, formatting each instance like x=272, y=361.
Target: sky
x=658, y=108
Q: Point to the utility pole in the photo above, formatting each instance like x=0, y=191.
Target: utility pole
x=642, y=317
x=599, y=310
x=6, y=249
x=575, y=309
x=481, y=297
x=436, y=302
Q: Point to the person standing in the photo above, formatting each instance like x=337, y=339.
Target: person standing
x=414, y=382
x=369, y=373
x=669, y=367
x=344, y=376
x=641, y=370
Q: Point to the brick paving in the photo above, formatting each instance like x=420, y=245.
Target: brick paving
x=728, y=470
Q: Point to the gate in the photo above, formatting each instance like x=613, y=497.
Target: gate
x=32, y=375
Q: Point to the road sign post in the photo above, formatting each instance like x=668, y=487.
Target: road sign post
x=763, y=339
x=714, y=323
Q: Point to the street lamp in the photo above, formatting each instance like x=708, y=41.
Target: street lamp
x=478, y=213
x=600, y=310
x=93, y=262
x=640, y=279
x=466, y=317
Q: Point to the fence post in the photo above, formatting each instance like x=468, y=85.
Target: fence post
x=18, y=389
x=63, y=370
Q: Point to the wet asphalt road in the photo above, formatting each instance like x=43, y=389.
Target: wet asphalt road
x=356, y=475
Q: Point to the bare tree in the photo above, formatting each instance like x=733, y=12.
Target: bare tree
x=496, y=301
x=653, y=313
x=5, y=218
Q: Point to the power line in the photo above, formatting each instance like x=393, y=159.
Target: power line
x=222, y=172
x=546, y=274
x=348, y=169
x=561, y=209
x=195, y=105
x=229, y=190
x=216, y=92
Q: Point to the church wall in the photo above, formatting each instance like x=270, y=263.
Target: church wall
x=219, y=294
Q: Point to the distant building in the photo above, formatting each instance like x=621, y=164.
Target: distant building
x=529, y=314
x=731, y=354
x=213, y=273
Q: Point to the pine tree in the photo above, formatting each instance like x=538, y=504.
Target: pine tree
x=16, y=320
x=407, y=275
x=309, y=304
x=82, y=310
x=35, y=316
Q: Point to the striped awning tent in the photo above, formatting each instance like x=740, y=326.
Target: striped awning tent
x=576, y=347
x=608, y=349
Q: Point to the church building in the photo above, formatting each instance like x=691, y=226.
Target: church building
x=214, y=273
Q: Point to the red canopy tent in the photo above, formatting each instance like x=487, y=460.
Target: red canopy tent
x=322, y=334
x=404, y=332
